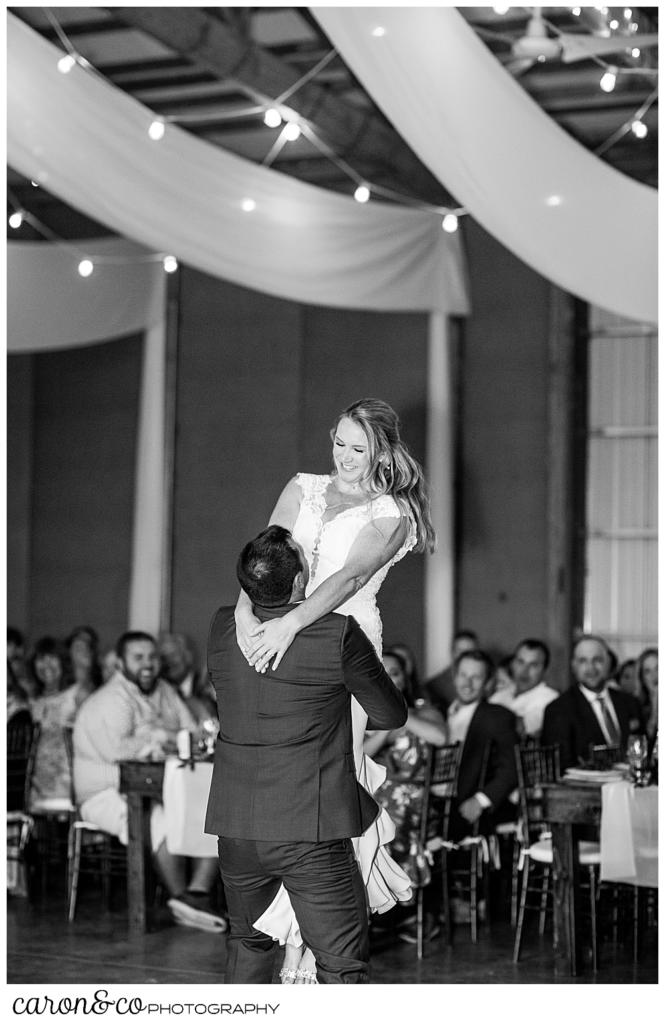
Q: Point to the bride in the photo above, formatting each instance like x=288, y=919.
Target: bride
x=352, y=524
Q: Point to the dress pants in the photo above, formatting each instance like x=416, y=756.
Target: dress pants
x=327, y=895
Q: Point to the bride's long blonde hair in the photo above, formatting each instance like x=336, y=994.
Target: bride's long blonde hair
x=393, y=470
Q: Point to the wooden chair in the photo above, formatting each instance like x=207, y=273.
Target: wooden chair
x=22, y=740
x=90, y=850
x=537, y=765
x=440, y=790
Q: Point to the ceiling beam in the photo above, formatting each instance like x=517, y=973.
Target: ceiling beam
x=356, y=135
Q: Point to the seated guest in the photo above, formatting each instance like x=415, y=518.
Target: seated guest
x=178, y=667
x=403, y=754
x=531, y=694
x=626, y=678
x=500, y=687
x=488, y=734
x=83, y=647
x=54, y=708
x=137, y=715
x=647, y=677
x=18, y=708
x=589, y=713
x=16, y=659
x=440, y=688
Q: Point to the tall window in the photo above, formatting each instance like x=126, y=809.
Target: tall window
x=621, y=599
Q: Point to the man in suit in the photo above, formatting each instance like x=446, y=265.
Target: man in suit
x=487, y=773
x=284, y=797
x=589, y=713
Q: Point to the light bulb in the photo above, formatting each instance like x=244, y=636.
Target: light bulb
x=633, y=27
x=156, y=129
x=272, y=117
x=577, y=11
x=627, y=13
x=635, y=52
x=248, y=205
x=501, y=8
x=362, y=193
x=170, y=264
x=85, y=268
x=15, y=219
x=450, y=223
x=378, y=31
x=639, y=129
x=614, y=24
x=553, y=200
x=65, y=64
x=292, y=131
x=609, y=80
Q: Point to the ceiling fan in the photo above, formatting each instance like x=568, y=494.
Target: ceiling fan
x=536, y=45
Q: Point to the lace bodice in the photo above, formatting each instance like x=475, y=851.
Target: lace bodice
x=327, y=544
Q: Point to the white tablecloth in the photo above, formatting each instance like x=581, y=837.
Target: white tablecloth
x=629, y=834
x=185, y=797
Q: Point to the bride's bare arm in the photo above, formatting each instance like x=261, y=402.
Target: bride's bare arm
x=376, y=544
x=284, y=514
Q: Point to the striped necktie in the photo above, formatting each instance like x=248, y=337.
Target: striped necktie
x=609, y=728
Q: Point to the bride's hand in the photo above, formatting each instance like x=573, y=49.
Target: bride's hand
x=271, y=639
x=247, y=628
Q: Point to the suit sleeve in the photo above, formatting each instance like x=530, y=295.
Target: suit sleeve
x=368, y=681
x=557, y=729
x=504, y=773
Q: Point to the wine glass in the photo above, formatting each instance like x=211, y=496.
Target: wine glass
x=209, y=728
x=637, y=755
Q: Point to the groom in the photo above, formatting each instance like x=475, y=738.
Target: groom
x=284, y=799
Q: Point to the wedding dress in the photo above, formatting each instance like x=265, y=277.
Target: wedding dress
x=326, y=545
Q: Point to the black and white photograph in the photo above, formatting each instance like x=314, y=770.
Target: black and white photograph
x=332, y=508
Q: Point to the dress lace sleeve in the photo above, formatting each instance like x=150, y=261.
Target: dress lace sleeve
x=386, y=507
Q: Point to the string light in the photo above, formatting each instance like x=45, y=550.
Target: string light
x=639, y=129
x=450, y=223
x=635, y=52
x=292, y=131
x=157, y=129
x=272, y=117
x=66, y=63
x=627, y=13
x=170, y=264
x=378, y=31
x=553, y=200
x=608, y=80
x=15, y=219
x=576, y=11
x=248, y=205
x=85, y=268
x=614, y=24
x=362, y=193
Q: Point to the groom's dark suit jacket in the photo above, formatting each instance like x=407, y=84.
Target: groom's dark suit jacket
x=284, y=767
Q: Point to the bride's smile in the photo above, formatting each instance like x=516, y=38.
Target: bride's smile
x=350, y=455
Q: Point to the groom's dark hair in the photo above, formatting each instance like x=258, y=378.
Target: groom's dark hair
x=267, y=567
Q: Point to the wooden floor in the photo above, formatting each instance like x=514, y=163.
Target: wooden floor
x=42, y=947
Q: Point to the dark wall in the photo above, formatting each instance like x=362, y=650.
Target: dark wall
x=19, y=487
x=502, y=470
x=80, y=411
x=260, y=383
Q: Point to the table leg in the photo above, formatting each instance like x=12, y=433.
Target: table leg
x=136, y=868
x=565, y=944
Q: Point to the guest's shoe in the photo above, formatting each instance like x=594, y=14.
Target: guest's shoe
x=410, y=935
x=194, y=910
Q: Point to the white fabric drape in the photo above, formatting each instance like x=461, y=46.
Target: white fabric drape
x=88, y=142
x=571, y=217
x=50, y=306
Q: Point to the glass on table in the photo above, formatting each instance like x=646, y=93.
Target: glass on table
x=637, y=756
